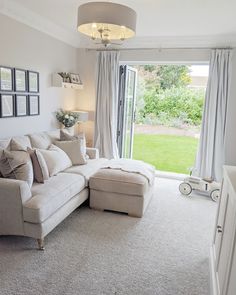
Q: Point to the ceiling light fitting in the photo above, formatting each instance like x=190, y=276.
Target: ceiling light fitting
x=106, y=22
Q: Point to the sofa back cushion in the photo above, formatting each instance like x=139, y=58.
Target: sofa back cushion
x=56, y=159
x=43, y=140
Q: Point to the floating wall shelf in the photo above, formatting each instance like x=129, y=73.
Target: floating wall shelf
x=58, y=82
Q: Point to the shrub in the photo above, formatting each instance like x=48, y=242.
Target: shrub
x=174, y=106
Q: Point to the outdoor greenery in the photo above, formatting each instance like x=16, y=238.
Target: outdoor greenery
x=164, y=98
x=166, y=152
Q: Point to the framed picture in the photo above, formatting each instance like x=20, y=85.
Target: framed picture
x=20, y=80
x=33, y=80
x=21, y=105
x=7, y=105
x=6, y=79
x=75, y=78
x=33, y=105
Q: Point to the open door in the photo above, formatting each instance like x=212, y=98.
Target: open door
x=126, y=110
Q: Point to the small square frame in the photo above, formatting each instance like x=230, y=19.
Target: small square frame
x=75, y=78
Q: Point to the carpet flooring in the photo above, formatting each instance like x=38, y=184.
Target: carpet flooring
x=103, y=253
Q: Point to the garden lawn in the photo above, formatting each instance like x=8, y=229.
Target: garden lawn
x=166, y=152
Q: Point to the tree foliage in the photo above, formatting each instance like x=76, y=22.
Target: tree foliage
x=164, y=98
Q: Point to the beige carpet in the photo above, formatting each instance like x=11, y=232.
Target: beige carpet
x=95, y=253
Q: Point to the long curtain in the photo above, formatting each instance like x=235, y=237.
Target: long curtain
x=210, y=156
x=107, y=103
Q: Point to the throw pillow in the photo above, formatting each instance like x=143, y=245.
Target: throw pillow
x=56, y=159
x=19, y=144
x=39, y=165
x=65, y=136
x=74, y=150
x=17, y=165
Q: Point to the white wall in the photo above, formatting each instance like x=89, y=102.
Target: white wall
x=26, y=48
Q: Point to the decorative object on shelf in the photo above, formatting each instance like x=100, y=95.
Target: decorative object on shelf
x=65, y=77
x=75, y=78
x=20, y=80
x=67, y=118
x=7, y=105
x=34, y=105
x=6, y=79
x=59, y=81
x=21, y=104
x=33, y=80
x=106, y=21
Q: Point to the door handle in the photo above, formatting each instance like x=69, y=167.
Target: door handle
x=219, y=229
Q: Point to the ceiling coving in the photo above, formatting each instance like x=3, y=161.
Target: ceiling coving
x=106, y=22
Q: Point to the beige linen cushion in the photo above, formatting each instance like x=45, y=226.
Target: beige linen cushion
x=39, y=165
x=16, y=165
x=74, y=150
x=56, y=159
x=65, y=136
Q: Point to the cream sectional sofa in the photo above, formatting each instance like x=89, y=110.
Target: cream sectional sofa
x=37, y=211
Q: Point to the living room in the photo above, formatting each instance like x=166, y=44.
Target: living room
x=140, y=236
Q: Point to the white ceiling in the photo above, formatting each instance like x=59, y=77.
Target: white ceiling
x=161, y=23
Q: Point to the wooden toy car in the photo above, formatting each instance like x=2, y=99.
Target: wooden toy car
x=205, y=185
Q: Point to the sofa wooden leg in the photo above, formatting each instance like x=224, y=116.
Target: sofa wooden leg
x=40, y=244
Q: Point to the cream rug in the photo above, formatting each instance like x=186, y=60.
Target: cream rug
x=95, y=253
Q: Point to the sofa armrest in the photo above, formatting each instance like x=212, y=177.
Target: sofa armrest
x=93, y=153
x=13, y=194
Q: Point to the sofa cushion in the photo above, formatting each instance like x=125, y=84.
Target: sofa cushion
x=16, y=165
x=18, y=143
x=40, y=140
x=74, y=150
x=87, y=170
x=47, y=198
x=39, y=165
x=56, y=159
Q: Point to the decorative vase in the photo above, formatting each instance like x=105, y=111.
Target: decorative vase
x=70, y=130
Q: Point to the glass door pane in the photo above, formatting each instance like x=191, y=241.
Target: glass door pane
x=126, y=111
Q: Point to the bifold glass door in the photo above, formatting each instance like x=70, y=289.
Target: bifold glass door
x=126, y=110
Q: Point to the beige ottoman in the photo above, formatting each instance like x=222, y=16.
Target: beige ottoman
x=121, y=191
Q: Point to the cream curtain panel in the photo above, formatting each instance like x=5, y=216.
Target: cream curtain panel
x=210, y=156
x=107, y=103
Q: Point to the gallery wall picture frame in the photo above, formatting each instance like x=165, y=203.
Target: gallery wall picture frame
x=20, y=80
x=33, y=81
x=75, y=78
x=21, y=105
x=33, y=105
x=6, y=79
x=7, y=105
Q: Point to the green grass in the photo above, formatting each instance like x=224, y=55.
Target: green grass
x=166, y=152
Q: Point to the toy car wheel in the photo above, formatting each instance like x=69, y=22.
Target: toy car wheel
x=215, y=195
x=185, y=188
